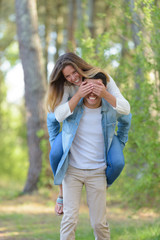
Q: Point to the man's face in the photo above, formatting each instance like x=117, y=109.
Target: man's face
x=91, y=100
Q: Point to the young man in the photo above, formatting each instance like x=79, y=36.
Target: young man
x=86, y=137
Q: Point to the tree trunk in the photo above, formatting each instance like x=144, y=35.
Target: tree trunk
x=35, y=84
x=136, y=27
x=70, y=27
x=91, y=15
x=47, y=35
x=79, y=14
x=58, y=30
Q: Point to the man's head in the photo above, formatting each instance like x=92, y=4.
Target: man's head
x=93, y=100
x=101, y=76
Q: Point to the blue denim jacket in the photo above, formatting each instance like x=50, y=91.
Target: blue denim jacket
x=70, y=125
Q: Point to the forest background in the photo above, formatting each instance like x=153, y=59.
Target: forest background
x=120, y=36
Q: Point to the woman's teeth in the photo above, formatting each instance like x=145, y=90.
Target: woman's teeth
x=77, y=80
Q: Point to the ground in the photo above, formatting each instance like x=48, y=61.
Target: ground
x=32, y=217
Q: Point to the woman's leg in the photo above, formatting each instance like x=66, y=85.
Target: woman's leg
x=55, y=156
x=56, y=152
x=115, y=161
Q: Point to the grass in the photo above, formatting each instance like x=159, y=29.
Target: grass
x=32, y=217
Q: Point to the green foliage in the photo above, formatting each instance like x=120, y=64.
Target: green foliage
x=140, y=181
x=142, y=153
x=11, y=53
x=92, y=50
x=13, y=147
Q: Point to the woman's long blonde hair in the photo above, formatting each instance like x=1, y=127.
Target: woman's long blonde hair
x=56, y=82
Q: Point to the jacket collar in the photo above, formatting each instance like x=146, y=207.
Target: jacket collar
x=105, y=105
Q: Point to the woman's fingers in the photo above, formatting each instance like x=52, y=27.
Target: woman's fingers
x=99, y=89
x=85, y=89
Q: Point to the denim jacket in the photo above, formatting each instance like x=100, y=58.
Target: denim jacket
x=70, y=125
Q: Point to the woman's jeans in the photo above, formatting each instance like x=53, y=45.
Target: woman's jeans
x=115, y=158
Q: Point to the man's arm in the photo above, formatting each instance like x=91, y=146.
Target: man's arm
x=53, y=127
x=124, y=123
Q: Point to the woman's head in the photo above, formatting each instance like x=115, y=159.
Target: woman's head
x=69, y=69
x=72, y=75
x=65, y=60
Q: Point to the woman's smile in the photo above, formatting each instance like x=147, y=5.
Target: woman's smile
x=71, y=75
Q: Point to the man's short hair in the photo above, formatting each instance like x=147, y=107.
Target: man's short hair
x=102, y=76
x=99, y=75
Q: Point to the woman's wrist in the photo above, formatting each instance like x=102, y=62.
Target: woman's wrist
x=74, y=101
x=77, y=96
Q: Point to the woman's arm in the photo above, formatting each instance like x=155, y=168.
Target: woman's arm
x=122, y=105
x=83, y=90
x=62, y=111
x=66, y=108
x=113, y=96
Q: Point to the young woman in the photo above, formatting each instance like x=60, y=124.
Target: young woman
x=66, y=88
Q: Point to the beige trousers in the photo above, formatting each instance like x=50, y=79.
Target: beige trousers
x=95, y=184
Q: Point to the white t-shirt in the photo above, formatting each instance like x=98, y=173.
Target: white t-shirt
x=87, y=149
x=63, y=110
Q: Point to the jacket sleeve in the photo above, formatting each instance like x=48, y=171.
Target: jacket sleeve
x=53, y=127
x=124, y=123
